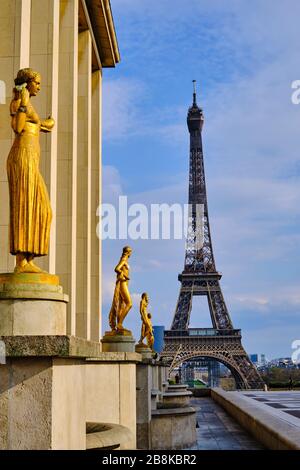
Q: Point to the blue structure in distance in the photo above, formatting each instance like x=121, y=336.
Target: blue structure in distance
x=158, y=331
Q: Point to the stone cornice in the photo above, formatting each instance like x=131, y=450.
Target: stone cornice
x=101, y=20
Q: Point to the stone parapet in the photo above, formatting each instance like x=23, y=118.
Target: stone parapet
x=274, y=433
x=115, y=357
x=54, y=346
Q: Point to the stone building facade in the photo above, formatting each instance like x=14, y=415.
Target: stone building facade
x=53, y=384
x=69, y=42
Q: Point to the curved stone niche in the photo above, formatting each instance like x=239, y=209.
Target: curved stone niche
x=107, y=436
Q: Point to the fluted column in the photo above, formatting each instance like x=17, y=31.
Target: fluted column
x=83, y=258
x=14, y=53
x=66, y=207
x=44, y=57
x=95, y=201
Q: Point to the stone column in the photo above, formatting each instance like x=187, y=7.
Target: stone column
x=83, y=262
x=44, y=47
x=25, y=26
x=96, y=199
x=143, y=404
x=14, y=54
x=66, y=208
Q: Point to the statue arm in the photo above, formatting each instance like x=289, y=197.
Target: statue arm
x=119, y=270
x=19, y=111
x=19, y=123
x=47, y=125
x=143, y=312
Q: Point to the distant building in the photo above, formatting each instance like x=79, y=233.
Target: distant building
x=259, y=360
x=158, y=331
x=282, y=362
x=254, y=358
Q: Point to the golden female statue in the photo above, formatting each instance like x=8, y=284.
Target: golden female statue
x=122, y=302
x=147, y=330
x=30, y=211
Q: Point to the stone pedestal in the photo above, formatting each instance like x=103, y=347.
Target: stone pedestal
x=42, y=392
x=143, y=349
x=143, y=404
x=173, y=428
x=118, y=342
x=51, y=386
x=176, y=396
x=32, y=304
x=173, y=423
x=147, y=396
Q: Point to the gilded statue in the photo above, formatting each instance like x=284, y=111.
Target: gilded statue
x=30, y=210
x=147, y=329
x=122, y=302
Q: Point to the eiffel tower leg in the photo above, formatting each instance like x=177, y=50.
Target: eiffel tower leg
x=219, y=310
x=252, y=379
x=183, y=309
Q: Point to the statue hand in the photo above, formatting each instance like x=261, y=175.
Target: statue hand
x=47, y=125
x=50, y=122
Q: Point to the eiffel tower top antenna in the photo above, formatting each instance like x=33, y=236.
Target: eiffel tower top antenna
x=194, y=93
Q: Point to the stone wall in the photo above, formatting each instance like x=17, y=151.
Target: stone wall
x=47, y=401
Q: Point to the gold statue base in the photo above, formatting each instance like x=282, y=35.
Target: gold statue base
x=142, y=346
x=144, y=350
x=118, y=341
x=32, y=304
x=117, y=332
x=29, y=278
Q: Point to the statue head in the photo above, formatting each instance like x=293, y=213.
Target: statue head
x=127, y=251
x=28, y=78
x=145, y=297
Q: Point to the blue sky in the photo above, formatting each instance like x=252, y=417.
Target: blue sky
x=244, y=56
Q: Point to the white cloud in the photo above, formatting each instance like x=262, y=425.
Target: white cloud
x=111, y=184
x=285, y=298
x=120, y=107
x=108, y=285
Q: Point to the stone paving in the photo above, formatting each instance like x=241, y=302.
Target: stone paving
x=217, y=430
x=284, y=405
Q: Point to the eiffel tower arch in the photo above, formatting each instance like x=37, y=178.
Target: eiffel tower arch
x=200, y=277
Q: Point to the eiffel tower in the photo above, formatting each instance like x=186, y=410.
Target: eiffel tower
x=200, y=277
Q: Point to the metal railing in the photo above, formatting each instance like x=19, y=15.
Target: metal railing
x=196, y=332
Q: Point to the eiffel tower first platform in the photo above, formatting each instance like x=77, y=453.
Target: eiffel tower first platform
x=200, y=277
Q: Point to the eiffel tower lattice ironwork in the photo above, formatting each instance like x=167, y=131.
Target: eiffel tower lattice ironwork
x=200, y=277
